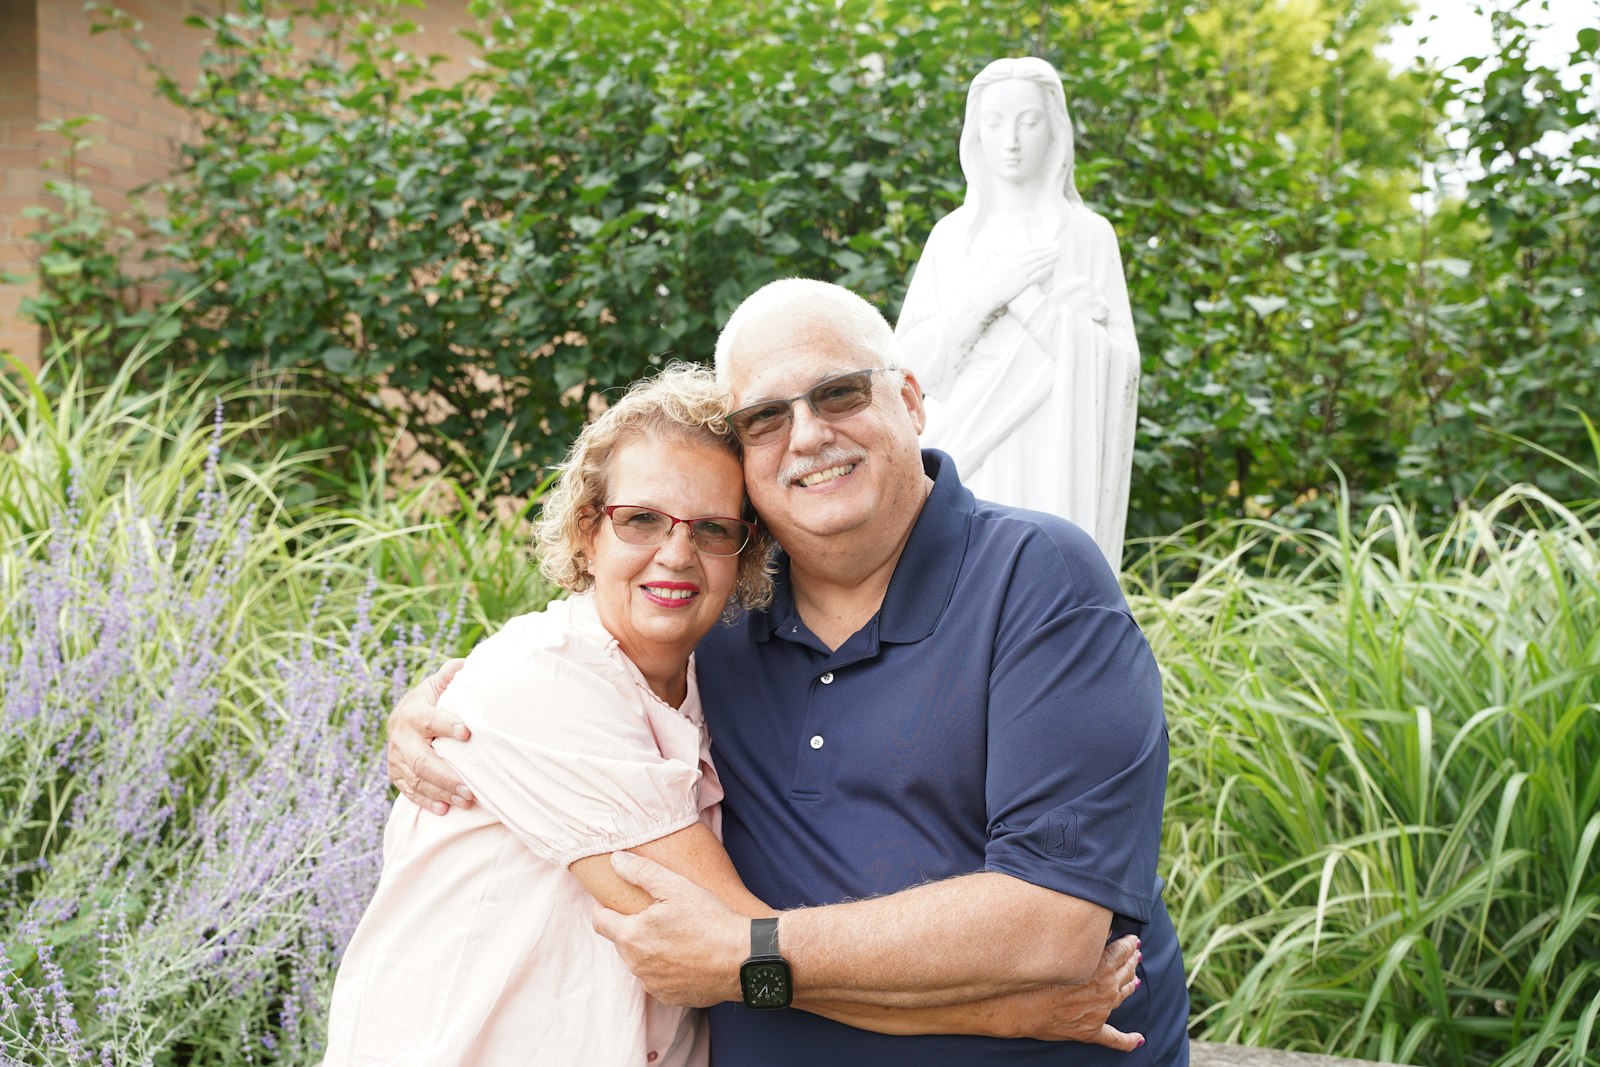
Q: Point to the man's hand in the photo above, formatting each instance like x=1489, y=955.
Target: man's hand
x=1078, y=1012
x=686, y=947
x=423, y=777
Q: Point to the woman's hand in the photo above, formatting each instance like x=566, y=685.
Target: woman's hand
x=423, y=777
x=1005, y=280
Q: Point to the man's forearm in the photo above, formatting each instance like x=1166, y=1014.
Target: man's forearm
x=965, y=939
x=994, y=1017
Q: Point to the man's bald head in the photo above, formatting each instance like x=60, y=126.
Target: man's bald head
x=803, y=312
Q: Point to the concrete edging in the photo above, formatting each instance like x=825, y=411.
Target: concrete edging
x=1207, y=1054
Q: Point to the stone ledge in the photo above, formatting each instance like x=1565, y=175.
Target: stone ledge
x=1206, y=1054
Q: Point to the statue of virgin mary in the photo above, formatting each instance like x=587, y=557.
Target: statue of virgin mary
x=1017, y=320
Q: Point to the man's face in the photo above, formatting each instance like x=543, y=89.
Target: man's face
x=828, y=478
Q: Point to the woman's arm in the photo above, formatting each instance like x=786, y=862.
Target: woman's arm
x=1054, y=1013
x=693, y=852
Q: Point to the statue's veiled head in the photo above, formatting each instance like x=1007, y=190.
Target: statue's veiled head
x=1000, y=142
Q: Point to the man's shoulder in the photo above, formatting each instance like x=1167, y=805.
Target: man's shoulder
x=1036, y=546
x=727, y=642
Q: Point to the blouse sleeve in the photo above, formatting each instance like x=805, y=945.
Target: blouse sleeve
x=562, y=751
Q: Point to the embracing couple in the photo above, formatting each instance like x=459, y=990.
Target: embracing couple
x=891, y=793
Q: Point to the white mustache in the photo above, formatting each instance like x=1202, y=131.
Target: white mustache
x=832, y=456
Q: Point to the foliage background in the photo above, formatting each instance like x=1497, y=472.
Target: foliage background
x=598, y=196
x=1381, y=662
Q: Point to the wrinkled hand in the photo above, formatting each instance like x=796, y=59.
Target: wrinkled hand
x=1008, y=277
x=423, y=777
x=686, y=947
x=1078, y=1012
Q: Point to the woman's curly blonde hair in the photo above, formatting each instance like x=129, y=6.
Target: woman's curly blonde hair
x=682, y=403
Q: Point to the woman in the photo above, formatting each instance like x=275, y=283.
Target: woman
x=478, y=946
x=1017, y=320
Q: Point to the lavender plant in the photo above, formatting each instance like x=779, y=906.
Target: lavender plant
x=191, y=684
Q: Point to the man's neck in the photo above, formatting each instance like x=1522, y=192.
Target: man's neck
x=839, y=583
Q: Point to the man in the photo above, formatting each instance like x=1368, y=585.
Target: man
x=947, y=720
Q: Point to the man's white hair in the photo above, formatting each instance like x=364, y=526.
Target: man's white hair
x=806, y=309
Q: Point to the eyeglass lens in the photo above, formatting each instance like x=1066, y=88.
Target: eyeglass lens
x=833, y=400
x=713, y=534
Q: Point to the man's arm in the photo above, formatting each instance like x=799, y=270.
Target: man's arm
x=424, y=778
x=1053, y=1013
x=975, y=937
x=692, y=861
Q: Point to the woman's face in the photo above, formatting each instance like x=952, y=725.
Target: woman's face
x=1014, y=130
x=659, y=600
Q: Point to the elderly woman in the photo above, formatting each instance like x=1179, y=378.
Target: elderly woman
x=478, y=946
x=1017, y=320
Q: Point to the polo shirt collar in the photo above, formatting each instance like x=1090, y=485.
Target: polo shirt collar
x=925, y=578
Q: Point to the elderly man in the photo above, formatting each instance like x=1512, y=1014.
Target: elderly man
x=942, y=747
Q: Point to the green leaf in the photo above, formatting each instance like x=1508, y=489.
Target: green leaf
x=339, y=359
x=1266, y=305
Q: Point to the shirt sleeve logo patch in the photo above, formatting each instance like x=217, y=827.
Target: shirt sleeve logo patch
x=1061, y=834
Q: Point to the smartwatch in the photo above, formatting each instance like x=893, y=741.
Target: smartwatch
x=764, y=977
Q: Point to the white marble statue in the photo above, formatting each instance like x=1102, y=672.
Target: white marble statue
x=1017, y=320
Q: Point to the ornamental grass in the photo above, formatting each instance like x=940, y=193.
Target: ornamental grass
x=1385, y=792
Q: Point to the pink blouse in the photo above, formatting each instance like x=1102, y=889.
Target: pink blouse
x=478, y=946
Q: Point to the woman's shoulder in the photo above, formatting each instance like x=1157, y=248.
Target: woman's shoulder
x=562, y=646
x=570, y=626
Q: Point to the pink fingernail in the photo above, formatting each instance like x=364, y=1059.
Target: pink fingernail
x=1140, y=1044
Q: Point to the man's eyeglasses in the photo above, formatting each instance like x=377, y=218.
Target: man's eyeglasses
x=715, y=535
x=833, y=400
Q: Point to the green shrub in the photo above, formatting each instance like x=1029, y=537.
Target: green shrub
x=502, y=251
x=83, y=289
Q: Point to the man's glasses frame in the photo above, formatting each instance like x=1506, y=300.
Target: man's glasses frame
x=833, y=400
x=710, y=534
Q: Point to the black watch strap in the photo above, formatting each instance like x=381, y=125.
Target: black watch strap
x=764, y=937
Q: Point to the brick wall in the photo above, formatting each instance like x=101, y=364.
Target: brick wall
x=19, y=169
x=52, y=66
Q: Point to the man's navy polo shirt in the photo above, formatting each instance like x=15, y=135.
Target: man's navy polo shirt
x=1001, y=712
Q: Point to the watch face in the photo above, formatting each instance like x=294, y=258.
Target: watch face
x=766, y=984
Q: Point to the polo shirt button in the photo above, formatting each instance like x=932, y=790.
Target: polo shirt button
x=652, y=1057
x=827, y=679
x=816, y=741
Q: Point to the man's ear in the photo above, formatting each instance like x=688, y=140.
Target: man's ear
x=911, y=393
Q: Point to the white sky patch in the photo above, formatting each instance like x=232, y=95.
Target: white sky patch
x=1444, y=32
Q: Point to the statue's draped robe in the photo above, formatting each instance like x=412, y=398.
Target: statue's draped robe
x=1040, y=413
